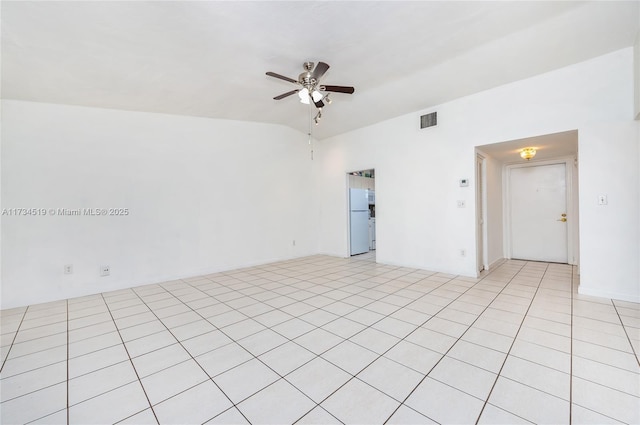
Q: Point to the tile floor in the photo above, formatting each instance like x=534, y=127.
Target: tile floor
x=328, y=340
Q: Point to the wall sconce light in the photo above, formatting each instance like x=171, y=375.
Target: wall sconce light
x=528, y=153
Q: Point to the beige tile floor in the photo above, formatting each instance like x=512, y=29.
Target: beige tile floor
x=328, y=340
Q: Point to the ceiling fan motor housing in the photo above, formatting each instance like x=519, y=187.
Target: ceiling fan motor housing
x=306, y=78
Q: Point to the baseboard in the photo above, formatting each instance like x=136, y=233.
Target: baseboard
x=496, y=263
x=582, y=290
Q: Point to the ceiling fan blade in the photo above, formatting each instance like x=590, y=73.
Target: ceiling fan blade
x=319, y=71
x=282, y=77
x=283, y=95
x=340, y=89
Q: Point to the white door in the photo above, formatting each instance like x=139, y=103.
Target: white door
x=538, y=213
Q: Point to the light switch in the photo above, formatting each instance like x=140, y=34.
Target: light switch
x=461, y=204
x=602, y=200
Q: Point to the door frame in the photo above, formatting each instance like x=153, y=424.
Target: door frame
x=571, y=202
x=481, y=219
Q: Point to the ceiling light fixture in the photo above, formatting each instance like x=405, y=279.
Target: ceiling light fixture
x=528, y=153
x=310, y=90
x=303, y=94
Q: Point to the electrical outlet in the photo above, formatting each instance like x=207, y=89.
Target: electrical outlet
x=463, y=253
x=68, y=269
x=105, y=270
x=294, y=242
x=461, y=203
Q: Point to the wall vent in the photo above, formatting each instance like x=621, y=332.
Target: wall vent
x=429, y=120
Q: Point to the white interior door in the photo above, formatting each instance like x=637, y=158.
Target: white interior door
x=537, y=202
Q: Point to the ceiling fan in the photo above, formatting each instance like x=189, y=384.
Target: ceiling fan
x=310, y=90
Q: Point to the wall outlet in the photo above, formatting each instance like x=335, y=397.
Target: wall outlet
x=105, y=270
x=68, y=269
x=461, y=203
x=463, y=253
x=294, y=242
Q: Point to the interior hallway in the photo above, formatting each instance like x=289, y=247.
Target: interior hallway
x=328, y=340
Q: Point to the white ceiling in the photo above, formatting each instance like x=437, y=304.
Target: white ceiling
x=547, y=146
x=209, y=59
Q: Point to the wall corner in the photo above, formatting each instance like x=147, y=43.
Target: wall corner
x=636, y=76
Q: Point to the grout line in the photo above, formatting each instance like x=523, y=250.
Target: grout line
x=354, y=376
x=68, y=331
x=571, y=351
x=67, y=363
x=302, y=276
x=37, y=338
x=506, y=284
x=188, y=352
x=132, y=364
x=624, y=328
x=317, y=406
x=614, y=420
x=14, y=339
x=31, y=370
x=290, y=340
x=591, y=359
x=534, y=298
x=515, y=337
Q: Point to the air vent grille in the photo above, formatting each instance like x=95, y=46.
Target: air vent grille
x=429, y=120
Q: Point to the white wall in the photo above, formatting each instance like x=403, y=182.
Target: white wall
x=417, y=171
x=208, y=195
x=636, y=78
x=204, y=195
x=609, y=237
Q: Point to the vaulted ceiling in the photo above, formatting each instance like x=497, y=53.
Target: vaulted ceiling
x=209, y=58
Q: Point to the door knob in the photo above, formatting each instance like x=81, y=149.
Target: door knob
x=563, y=219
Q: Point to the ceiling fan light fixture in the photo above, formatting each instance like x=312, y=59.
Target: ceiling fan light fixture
x=528, y=153
x=309, y=88
x=316, y=96
x=304, y=96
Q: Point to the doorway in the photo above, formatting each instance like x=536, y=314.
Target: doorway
x=537, y=212
x=503, y=227
x=361, y=211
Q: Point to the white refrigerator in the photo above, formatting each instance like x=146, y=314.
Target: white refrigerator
x=359, y=220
